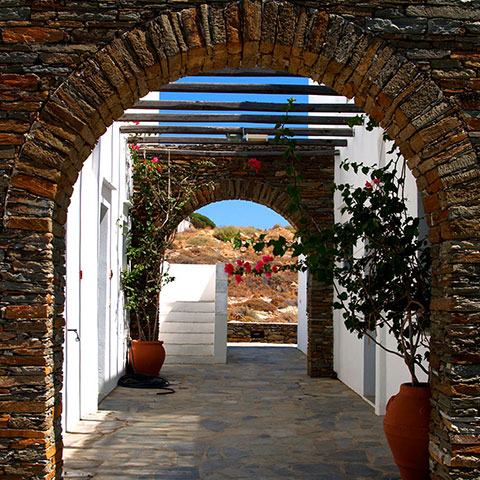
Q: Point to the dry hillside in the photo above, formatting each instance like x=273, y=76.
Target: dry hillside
x=255, y=298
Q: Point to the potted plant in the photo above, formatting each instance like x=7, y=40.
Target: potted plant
x=387, y=286
x=160, y=193
x=380, y=269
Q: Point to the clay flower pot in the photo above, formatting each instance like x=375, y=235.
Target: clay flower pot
x=146, y=357
x=406, y=427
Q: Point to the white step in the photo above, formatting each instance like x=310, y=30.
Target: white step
x=187, y=307
x=188, y=317
x=186, y=327
x=189, y=350
x=194, y=359
x=187, y=338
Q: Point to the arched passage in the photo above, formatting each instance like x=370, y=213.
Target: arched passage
x=266, y=189
x=315, y=43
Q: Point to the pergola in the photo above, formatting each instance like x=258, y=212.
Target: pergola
x=192, y=128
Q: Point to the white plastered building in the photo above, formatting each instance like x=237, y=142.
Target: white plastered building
x=96, y=330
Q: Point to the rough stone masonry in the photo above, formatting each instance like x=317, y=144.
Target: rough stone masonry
x=68, y=68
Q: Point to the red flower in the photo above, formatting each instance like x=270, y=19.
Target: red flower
x=136, y=147
x=376, y=181
x=368, y=185
x=267, y=258
x=238, y=278
x=260, y=265
x=159, y=169
x=268, y=274
x=274, y=269
x=248, y=267
x=155, y=160
x=239, y=263
x=150, y=168
x=136, y=123
x=255, y=164
x=229, y=269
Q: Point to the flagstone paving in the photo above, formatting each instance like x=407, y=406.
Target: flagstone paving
x=258, y=417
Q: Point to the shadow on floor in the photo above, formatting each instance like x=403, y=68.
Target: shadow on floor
x=258, y=417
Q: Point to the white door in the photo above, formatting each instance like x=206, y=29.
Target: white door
x=103, y=301
x=71, y=385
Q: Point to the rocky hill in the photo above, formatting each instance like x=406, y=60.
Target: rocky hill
x=255, y=299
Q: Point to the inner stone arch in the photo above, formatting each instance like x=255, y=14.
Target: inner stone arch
x=255, y=190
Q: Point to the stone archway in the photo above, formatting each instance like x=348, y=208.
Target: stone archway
x=433, y=132
x=268, y=188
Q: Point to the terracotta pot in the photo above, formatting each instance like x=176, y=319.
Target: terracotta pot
x=406, y=428
x=146, y=357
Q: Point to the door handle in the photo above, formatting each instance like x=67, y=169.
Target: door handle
x=77, y=338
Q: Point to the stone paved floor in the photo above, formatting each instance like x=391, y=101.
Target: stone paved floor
x=258, y=417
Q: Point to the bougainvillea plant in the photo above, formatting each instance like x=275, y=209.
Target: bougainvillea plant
x=160, y=193
x=376, y=260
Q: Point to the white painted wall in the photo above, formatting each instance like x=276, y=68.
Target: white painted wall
x=193, y=314
x=185, y=224
x=94, y=302
x=350, y=353
x=193, y=283
x=302, y=327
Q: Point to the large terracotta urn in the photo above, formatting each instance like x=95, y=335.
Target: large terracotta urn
x=147, y=357
x=406, y=425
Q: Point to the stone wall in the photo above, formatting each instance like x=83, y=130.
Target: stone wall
x=262, y=332
x=69, y=68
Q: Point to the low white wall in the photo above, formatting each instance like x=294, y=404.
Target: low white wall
x=221, y=314
x=197, y=291
x=193, y=283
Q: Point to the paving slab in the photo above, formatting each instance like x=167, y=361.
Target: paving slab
x=258, y=417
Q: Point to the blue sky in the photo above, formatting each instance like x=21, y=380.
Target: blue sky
x=242, y=214
x=239, y=212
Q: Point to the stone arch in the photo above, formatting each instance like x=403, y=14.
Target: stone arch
x=319, y=296
x=242, y=189
x=288, y=37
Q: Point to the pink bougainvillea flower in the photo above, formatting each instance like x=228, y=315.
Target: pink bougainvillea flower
x=136, y=147
x=368, y=185
x=376, y=181
x=229, y=269
x=274, y=269
x=248, y=267
x=155, y=160
x=239, y=263
x=238, y=278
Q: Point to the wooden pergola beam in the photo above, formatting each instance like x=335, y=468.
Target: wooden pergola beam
x=248, y=88
x=231, y=153
x=245, y=106
x=231, y=118
x=211, y=130
x=222, y=141
x=247, y=72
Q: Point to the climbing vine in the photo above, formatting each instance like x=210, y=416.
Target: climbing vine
x=376, y=260
x=161, y=190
